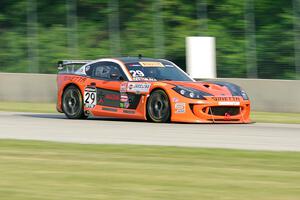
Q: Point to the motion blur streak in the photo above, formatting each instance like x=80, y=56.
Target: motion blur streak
x=254, y=38
x=275, y=137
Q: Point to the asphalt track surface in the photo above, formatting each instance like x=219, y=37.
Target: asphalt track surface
x=55, y=127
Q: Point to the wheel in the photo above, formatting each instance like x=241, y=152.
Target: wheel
x=158, y=107
x=72, y=103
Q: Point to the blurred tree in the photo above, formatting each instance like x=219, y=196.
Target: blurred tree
x=296, y=10
x=114, y=27
x=72, y=27
x=32, y=36
x=158, y=32
x=201, y=10
x=48, y=31
x=250, y=35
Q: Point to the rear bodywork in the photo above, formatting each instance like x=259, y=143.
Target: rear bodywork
x=128, y=98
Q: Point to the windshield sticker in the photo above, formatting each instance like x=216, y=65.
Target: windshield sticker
x=151, y=64
x=169, y=66
x=134, y=65
x=138, y=87
x=144, y=79
x=136, y=73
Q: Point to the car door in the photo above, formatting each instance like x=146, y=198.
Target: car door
x=103, y=86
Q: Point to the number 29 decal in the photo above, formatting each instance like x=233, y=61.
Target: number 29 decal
x=90, y=97
x=136, y=73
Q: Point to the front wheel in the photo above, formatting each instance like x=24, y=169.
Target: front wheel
x=72, y=103
x=158, y=107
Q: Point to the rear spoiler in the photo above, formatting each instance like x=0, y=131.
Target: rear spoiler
x=62, y=63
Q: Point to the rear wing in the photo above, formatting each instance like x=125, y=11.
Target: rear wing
x=70, y=66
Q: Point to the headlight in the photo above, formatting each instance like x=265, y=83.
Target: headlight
x=190, y=92
x=244, y=95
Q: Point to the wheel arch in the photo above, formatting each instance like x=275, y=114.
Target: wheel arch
x=153, y=90
x=63, y=91
x=70, y=84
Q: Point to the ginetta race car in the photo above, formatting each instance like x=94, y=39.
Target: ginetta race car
x=146, y=89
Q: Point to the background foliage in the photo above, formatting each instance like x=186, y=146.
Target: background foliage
x=137, y=24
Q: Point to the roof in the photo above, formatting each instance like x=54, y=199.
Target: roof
x=136, y=59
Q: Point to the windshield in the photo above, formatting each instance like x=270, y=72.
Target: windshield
x=156, y=71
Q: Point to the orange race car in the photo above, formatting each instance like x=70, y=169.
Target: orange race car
x=146, y=89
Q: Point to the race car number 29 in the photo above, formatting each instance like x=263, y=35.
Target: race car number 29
x=90, y=97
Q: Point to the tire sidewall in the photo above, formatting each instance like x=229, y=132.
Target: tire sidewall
x=167, y=117
x=80, y=113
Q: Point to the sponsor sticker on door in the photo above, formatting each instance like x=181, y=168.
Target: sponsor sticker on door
x=138, y=87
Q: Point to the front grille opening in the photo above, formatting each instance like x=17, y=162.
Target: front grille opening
x=224, y=110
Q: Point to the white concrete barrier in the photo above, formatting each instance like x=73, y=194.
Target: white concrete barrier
x=265, y=95
x=28, y=87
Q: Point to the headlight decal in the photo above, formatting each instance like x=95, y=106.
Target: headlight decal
x=191, y=92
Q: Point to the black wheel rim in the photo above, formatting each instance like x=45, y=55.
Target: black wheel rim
x=158, y=106
x=71, y=102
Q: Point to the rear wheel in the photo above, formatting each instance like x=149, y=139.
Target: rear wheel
x=72, y=103
x=158, y=107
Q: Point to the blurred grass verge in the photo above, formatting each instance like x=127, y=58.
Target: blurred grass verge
x=267, y=117
x=28, y=107
x=48, y=170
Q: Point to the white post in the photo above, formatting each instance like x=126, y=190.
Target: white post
x=201, y=57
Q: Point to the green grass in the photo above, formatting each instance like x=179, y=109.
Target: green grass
x=43, y=171
x=28, y=107
x=269, y=117
x=272, y=117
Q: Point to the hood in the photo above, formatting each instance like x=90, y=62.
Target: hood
x=208, y=87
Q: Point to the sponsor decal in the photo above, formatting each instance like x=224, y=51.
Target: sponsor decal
x=113, y=97
x=227, y=116
x=75, y=79
x=175, y=99
x=134, y=65
x=123, y=87
x=228, y=103
x=126, y=104
x=124, y=98
x=138, y=87
x=144, y=79
x=90, y=97
x=128, y=111
x=226, y=98
x=151, y=64
x=110, y=109
x=179, y=107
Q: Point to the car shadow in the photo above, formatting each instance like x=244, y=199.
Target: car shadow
x=63, y=117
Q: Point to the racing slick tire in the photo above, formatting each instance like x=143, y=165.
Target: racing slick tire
x=158, y=107
x=72, y=103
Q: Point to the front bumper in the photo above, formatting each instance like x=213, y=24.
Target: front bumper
x=212, y=111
